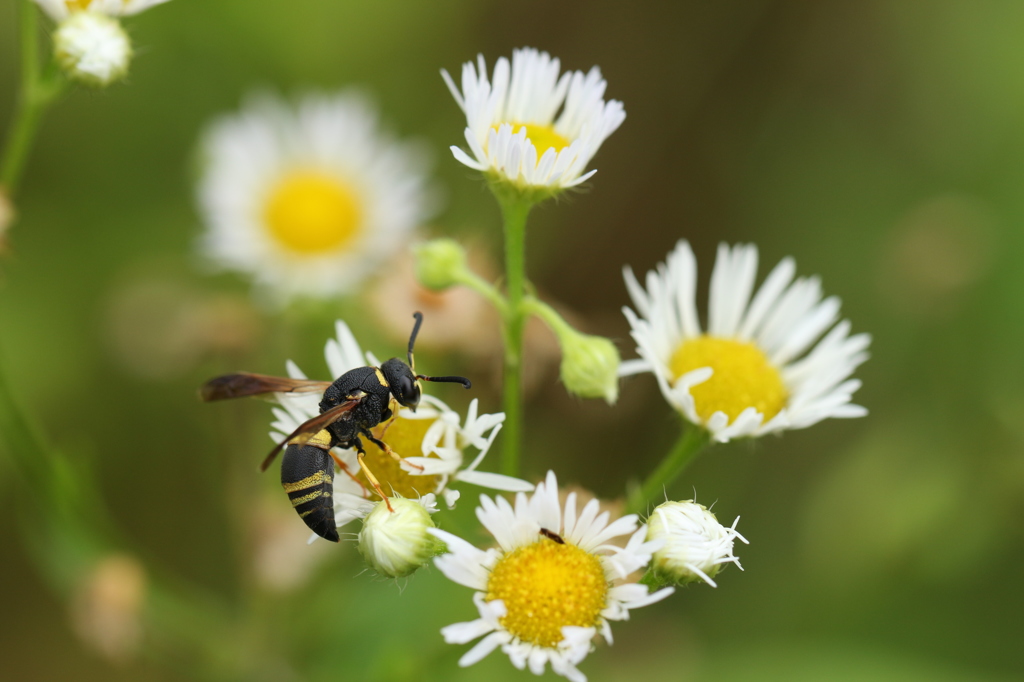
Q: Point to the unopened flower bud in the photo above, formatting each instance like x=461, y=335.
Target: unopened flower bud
x=439, y=263
x=396, y=543
x=696, y=546
x=590, y=365
x=92, y=48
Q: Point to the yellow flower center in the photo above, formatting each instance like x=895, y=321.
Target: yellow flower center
x=743, y=377
x=77, y=4
x=310, y=212
x=547, y=586
x=405, y=436
x=542, y=136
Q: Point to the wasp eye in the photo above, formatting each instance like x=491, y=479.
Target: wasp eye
x=409, y=392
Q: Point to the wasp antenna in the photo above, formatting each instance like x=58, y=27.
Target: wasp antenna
x=412, y=337
x=466, y=383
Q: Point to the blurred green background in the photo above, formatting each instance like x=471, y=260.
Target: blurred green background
x=879, y=143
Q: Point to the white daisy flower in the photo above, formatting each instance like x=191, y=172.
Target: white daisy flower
x=310, y=199
x=552, y=584
x=62, y=9
x=695, y=545
x=757, y=369
x=532, y=126
x=433, y=440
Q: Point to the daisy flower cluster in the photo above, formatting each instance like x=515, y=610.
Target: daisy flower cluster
x=313, y=197
x=310, y=198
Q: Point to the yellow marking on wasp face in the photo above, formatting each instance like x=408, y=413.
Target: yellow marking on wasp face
x=306, y=498
x=380, y=377
x=308, y=482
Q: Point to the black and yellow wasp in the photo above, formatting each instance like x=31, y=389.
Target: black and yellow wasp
x=351, y=405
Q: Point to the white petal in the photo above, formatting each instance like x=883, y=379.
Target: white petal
x=494, y=481
x=483, y=648
x=460, y=633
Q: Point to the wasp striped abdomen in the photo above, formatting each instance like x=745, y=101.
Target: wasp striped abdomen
x=307, y=475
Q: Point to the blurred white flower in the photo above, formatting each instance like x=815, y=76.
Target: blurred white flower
x=552, y=584
x=309, y=199
x=106, y=606
x=531, y=125
x=434, y=441
x=758, y=368
x=695, y=546
x=62, y=9
x=92, y=48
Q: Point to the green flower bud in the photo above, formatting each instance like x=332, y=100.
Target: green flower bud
x=590, y=365
x=396, y=543
x=439, y=263
x=695, y=546
x=92, y=48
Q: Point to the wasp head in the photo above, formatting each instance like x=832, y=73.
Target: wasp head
x=402, y=382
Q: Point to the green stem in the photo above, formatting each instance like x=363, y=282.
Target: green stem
x=37, y=92
x=535, y=306
x=514, y=209
x=18, y=439
x=475, y=282
x=690, y=443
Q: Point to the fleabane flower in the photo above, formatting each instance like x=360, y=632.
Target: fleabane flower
x=62, y=9
x=760, y=366
x=434, y=442
x=308, y=199
x=395, y=542
x=695, y=546
x=532, y=125
x=552, y=584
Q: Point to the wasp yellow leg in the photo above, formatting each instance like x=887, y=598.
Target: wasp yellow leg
x=348, y=472
x=373, y=480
